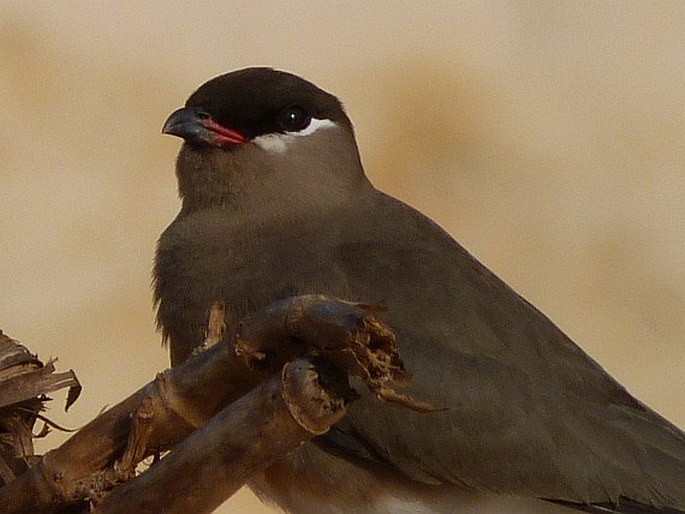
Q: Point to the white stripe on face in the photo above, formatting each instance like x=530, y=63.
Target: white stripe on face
x=277, y=142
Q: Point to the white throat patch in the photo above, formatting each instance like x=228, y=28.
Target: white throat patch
x=279, y=142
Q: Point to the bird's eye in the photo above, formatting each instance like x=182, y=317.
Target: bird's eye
x=294, y=119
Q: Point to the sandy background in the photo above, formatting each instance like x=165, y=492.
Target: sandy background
x=547, y=137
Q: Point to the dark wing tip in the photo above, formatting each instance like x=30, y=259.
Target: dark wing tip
x=624, y=506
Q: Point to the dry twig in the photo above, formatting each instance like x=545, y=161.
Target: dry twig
x=178, y=401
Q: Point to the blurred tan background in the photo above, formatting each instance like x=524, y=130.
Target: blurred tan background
x=549, y=138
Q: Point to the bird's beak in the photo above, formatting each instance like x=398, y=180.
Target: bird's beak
x=193, y=125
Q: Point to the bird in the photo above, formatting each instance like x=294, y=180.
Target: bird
x=274, y=203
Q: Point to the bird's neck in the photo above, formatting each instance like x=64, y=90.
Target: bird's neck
x=249, y=178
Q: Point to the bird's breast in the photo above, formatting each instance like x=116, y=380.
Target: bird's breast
x=244, y=263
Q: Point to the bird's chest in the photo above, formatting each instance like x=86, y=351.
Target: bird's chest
x=244, y=265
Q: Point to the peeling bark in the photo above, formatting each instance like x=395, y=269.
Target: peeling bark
x=254, y=377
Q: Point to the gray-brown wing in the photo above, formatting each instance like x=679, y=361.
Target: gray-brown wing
x=530, y=413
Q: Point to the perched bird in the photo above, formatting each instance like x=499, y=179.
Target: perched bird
x=275, y=202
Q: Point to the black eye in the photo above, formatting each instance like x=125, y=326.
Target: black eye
x=294, y=119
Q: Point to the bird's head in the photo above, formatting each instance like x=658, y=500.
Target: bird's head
x=261, y=132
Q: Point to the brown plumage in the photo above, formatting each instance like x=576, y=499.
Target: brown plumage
x=275, y=202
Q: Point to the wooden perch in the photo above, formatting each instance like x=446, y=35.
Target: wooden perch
x=216, y=460
x=178, y=401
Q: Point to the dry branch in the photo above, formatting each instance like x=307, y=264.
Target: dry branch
x=216, y=460
x=180, y=400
